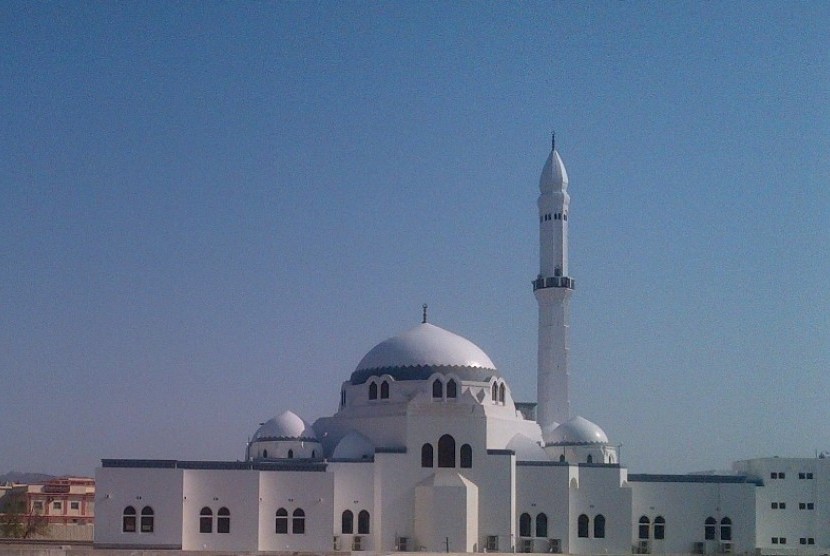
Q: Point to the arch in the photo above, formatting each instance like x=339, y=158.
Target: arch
x=437, y=389
x=223, y=520
x=347, y=523
x=524, y=525
x=446, y=451
x=709, y=528
x=495, y=392
x=644, y=529
x=384, y=390
x=290, y=454
x=582, y=526
x=206, y=520
x=501, y=392
x=452, y=388
x=363, y=523
x=599, y=526
x=298, y=522
x=659, y=527
x=128, y=520
x=542, y=525
x=726, y=529
x=427, y=455
x=147, y=519
x=465, y=454
x=281, y=523
x=373, y=391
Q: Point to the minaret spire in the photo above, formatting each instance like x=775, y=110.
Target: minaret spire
x=424, y=321
x=553, y=288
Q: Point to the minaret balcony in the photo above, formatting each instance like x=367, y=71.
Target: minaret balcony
x=554, y=282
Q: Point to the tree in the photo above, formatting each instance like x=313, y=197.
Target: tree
x=15, y=520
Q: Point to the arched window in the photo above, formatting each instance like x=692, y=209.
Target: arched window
x=590, y=459
x=347, y=523
x=644, y=529
x=726, y=529
x=128, y=520
x=427, y=455
x=290, y=454
x=561, y=457
x=466, y=456
x=524, y=525
x=437, y=389
x=223, y=520
x=147, y=519
x=265, y=453
x=709, y=529
x=501, y=392
x=342, y=397
x=659, y=527
x=298, y=522
x=373, y=391
x=282, y=522
x=542, y=525
x=206, y=520
x=452, y=389
x=599, y=526
x=363, y=523
x=495, y=392
x=582, y=526
x=384, y=390
x=446, y=451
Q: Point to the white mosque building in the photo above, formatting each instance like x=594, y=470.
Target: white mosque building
x=428, y=451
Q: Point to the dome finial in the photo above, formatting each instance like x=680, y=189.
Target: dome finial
x=424, y=306
x=552, y=140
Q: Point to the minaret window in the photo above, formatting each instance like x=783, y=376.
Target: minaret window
x=446, y=451
x=466, y=456
x=599, y=526
x=452, y=389
x=437, y=389
x=347, y=523
x=373, y=391
x=426, y=455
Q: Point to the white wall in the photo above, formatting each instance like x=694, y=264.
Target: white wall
x=309, y=491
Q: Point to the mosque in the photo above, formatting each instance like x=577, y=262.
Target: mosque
x=428, y=451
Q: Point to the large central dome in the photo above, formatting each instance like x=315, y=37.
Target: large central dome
x=422, y=351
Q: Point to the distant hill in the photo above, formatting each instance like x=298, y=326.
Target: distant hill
x=17, y=477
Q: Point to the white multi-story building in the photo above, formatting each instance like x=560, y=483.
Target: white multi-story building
x=428, y=451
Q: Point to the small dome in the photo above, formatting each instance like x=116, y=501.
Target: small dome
x=554, y=176
x=287, y=426
x=354, y=446
x=576, y=430
x=421, y=351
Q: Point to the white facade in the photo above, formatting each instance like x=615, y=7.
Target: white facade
x=427, y=451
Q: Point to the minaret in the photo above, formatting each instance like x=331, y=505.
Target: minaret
x=553, y=288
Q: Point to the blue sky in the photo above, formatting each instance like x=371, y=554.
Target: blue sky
x=211, y=211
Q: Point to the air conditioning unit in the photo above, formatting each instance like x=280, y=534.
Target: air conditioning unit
x=402, y=544
x=357, y=543
x=643, y=547
x=492, y=543
x=699, y=548
x=335, y=544
x=555, y=546
x=726, y=548
x=526, y=545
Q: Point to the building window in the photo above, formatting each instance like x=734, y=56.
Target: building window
x=643, y=531
x=802, y=506
x=774, y=505
x=709, y=529
x=426, y=455
x=347, y=523
x=37, y=506
x=589, y=459
x=342, y=398
x=501, y=392
x=466, y=456
x=437, y=389
x=599, y=526
x=802, y=476
x=726, y=529
x=582, y=526
x=384, y=390
x=290, y=454
x=363, y=522
x=74, y=505
x=659, y=528
x=298, y=522
x=265, y=453
x=542, y=525
x=446, y=451
x=774, y=540
x=147, y=519
x=810, y=506
x=373, y=391
x=452, y=389
x=128, y=520
x=495, y=392
x=809, y=475
x=57, y=505
x=524, y=525
x=223, y=520
x=781, y=475
x=206, y=520
x=782, y=505
x=281, y=523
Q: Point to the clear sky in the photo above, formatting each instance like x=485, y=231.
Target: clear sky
x=210, y=211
